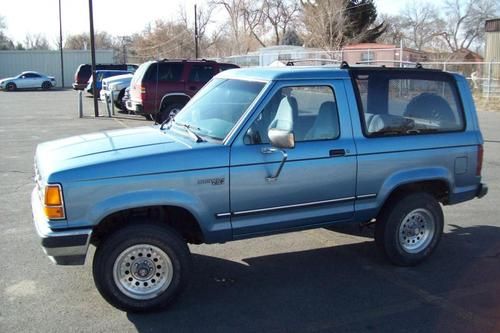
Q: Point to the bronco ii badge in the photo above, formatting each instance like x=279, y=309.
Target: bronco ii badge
x=213, y=181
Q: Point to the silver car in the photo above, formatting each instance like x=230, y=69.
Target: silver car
x=28, y=80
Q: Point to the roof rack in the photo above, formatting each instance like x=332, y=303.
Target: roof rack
x=292, y=62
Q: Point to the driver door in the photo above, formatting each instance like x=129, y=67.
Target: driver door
x=317, y=181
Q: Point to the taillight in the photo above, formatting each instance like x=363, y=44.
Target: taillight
x=143, y=92
x=479, y=162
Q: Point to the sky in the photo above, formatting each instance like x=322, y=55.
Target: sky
x=117, y=17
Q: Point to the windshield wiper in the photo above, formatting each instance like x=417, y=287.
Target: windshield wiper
x=189, y=129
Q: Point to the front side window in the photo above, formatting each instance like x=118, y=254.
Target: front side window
x=310, y=112
x=399, y=103
x=217, y=107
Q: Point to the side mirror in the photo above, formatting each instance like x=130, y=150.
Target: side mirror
x=281, y=138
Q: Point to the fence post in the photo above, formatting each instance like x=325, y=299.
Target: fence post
x=80, y=103
x=444, y=66
x=112, y=99
x=489, y=81
x=107, y=107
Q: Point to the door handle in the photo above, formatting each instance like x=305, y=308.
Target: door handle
x=337, y=152
x=283, y=160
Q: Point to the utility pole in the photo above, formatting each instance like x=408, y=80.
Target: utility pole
x=61, y=45
x=92, y=53
x=196, y=54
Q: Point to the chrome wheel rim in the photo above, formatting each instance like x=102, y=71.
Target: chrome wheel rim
x=143, y=271
x=417, y=230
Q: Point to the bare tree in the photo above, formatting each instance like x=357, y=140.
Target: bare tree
x=36, y=42
x=254, y=20
x=280, y=14
x=395, y=31
x=465, y=21
x=5, y=42
x=421, y=24
x=233, y=8
x=325, y=22
x=162, y=39
x=103, y=40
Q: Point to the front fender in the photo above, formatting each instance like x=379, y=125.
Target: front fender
x=150, y=198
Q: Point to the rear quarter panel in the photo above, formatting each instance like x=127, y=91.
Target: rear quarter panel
x=384, y=163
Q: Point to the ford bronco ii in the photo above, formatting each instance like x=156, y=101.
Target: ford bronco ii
x=256, y=152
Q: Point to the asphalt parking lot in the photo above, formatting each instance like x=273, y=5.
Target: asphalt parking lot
x=311, y=281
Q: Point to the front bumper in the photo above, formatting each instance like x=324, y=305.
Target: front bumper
x=65, y=247
x=135, y=107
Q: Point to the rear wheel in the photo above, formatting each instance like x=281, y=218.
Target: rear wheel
x=10, y=86
x=141, y=267
x=409, y=229
x=46, y=85
x=168, y=111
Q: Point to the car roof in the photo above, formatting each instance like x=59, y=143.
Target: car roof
x=31, y=72
x=112, y=71
x=311, y=72
x=285, y=73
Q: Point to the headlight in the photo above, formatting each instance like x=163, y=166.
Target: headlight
x=53, y=203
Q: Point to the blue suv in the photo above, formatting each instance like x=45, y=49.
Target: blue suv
x=256, y=152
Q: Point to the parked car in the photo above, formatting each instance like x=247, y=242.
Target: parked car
x=261, y=151
x=159, y=89
x=84, y=72
x=28, y=80
x=117, y=85
x=101, y=75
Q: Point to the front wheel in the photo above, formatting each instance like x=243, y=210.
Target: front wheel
x=409, y=229
x=10, y=86
x=141, y=267
x=46, y=85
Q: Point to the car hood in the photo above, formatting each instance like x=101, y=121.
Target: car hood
x=126, y=152
x=123, y=77
x=7, y=79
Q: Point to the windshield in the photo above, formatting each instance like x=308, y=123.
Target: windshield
x=218, y=106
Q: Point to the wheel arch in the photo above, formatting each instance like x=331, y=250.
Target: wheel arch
x=176, y=97
x=176, y=217
x=438, y=186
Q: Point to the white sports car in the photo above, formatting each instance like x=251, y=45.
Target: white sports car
x=27, y=80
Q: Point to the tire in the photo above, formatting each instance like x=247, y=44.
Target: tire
x=149, y=284
x=119, y=103
x=410, y=228
x=46, y=85
x=11, y=86
x=167, y=111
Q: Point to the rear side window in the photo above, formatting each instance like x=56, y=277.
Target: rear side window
x=408, y=103
x=169, y=72
x=201, y=73
x=84, y=70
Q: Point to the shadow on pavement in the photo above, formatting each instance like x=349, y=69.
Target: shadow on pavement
x=343, y=288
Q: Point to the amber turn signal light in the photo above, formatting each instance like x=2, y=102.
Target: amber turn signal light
x=53, y=202
x=53, y=195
